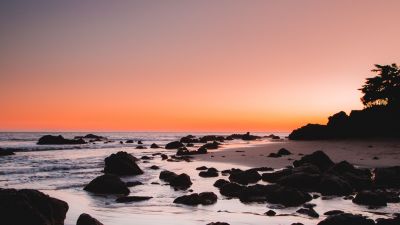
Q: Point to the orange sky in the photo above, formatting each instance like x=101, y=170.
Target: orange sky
x=188, y=65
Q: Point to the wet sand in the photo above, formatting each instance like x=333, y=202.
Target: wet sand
x=358, y=152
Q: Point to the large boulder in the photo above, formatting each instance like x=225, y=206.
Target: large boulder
x=204, y=198
x=107, y=184
x=31, y=207
x=334, y=185
x=359, y=179
x=346, y=219
x=370, y=198
x=86, y=219
x=59, y=140
x=122, y=163
x=318, y=158
x=174, y=145
x=301, y=180
x=181, y=181
x=245, y=177
x=287, y=196
x=231, y=189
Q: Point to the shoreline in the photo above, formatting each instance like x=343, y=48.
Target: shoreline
x=358, y=152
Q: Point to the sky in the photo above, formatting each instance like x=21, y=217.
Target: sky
x=188, y=65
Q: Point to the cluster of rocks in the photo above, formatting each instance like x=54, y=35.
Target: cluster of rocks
x=281, y=152
x=318, y=173
x=59, y=140
x=369, y=122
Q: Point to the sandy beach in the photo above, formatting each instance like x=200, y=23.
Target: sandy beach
x=358, y=152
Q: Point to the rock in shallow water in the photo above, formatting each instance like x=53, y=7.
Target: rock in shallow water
x=204, y=198
x=86, y=219
x=30, y=207
x=370, y=198
x=181, y=181
x=126, y=199
x=346, y=219
x=122, y=163
x=107, y=184
x=174, y=145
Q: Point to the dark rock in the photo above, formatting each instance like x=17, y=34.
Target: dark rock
x=202, y=168
x=310, y=132
x=204, y=198
x=220, y=182
x=125, y=199
x=122, y=163
x=208, y=138
x=6, y=152
x=133, y=183
x=140, y=147
x=164, y=156
x=333, y=212
x=154, y=145
x=181, y=181
x=284, y=151
x=274, y=155
x=254, y=193
x=129, y=141
x=189, y=139
x=231, y=190
x=370, y=198
x=211, y=172
x=275, y=176
x=107, y=184
x=86, y=219
x=334, y=185
x=189, y=145
x=92, y=136
x=286, y=196
x=218, y=223
x=174, y=145
x=388, y=221
x=263, y=169
x=154, y=167
x=59, y=140
x=387, y=177
x=27, y=206
x=359, y=179
x=245, y=177
x=301, y=180
x=247, y=137
x=318, y=158
x=309, y=212
x=140, y=142
x=270, y=213
x=346, y=219
x=213, y=145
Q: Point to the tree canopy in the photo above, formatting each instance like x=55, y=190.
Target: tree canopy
x=383, y=89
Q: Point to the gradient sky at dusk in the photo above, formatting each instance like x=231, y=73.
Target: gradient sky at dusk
x=188, y=65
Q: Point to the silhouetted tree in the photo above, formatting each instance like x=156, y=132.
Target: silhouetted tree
x=384, y=89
